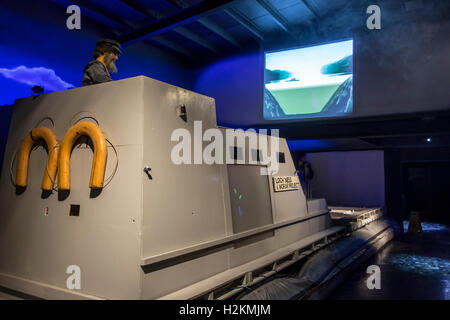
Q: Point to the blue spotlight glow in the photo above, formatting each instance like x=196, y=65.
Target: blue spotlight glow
x=428, y=139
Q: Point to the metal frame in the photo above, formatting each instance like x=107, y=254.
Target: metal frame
x=275, y=14
x=176, y=20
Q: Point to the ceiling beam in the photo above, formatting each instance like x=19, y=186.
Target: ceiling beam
x=142, y=9
x=306, y=3
x=275, y=14
x=179, y=4
x=246, y=23
x=196, y=38
x=178, y=19
x=214, y=27
x=172, y=45
x=208, y=23
x=183, y=31
x=91, y=7
x=126, y=25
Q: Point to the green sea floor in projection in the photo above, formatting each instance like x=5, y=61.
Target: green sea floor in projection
x=304, y=100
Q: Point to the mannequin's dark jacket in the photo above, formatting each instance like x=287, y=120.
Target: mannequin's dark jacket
x=95, y=72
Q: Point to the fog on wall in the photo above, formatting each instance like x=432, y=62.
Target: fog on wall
x=349, y=178
x=399, y=69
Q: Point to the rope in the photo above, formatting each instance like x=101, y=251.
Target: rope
x=44, y=118
x=11, y=166
x=46, y=168
x=92, y=117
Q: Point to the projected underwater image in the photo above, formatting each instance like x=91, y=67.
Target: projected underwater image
x=309, y=82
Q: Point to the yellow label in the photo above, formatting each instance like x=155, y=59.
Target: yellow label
x=286, y=183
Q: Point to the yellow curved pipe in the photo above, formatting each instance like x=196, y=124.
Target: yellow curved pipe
x=24, y=157
x=100, y=153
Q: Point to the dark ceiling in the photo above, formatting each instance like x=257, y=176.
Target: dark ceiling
x=202, y=31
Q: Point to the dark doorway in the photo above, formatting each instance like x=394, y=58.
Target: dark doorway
x=426, y=187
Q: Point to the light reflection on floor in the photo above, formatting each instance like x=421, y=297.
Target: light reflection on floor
x=427, y=226
x=413, y=266
x=447, y=289
x=428, y=266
